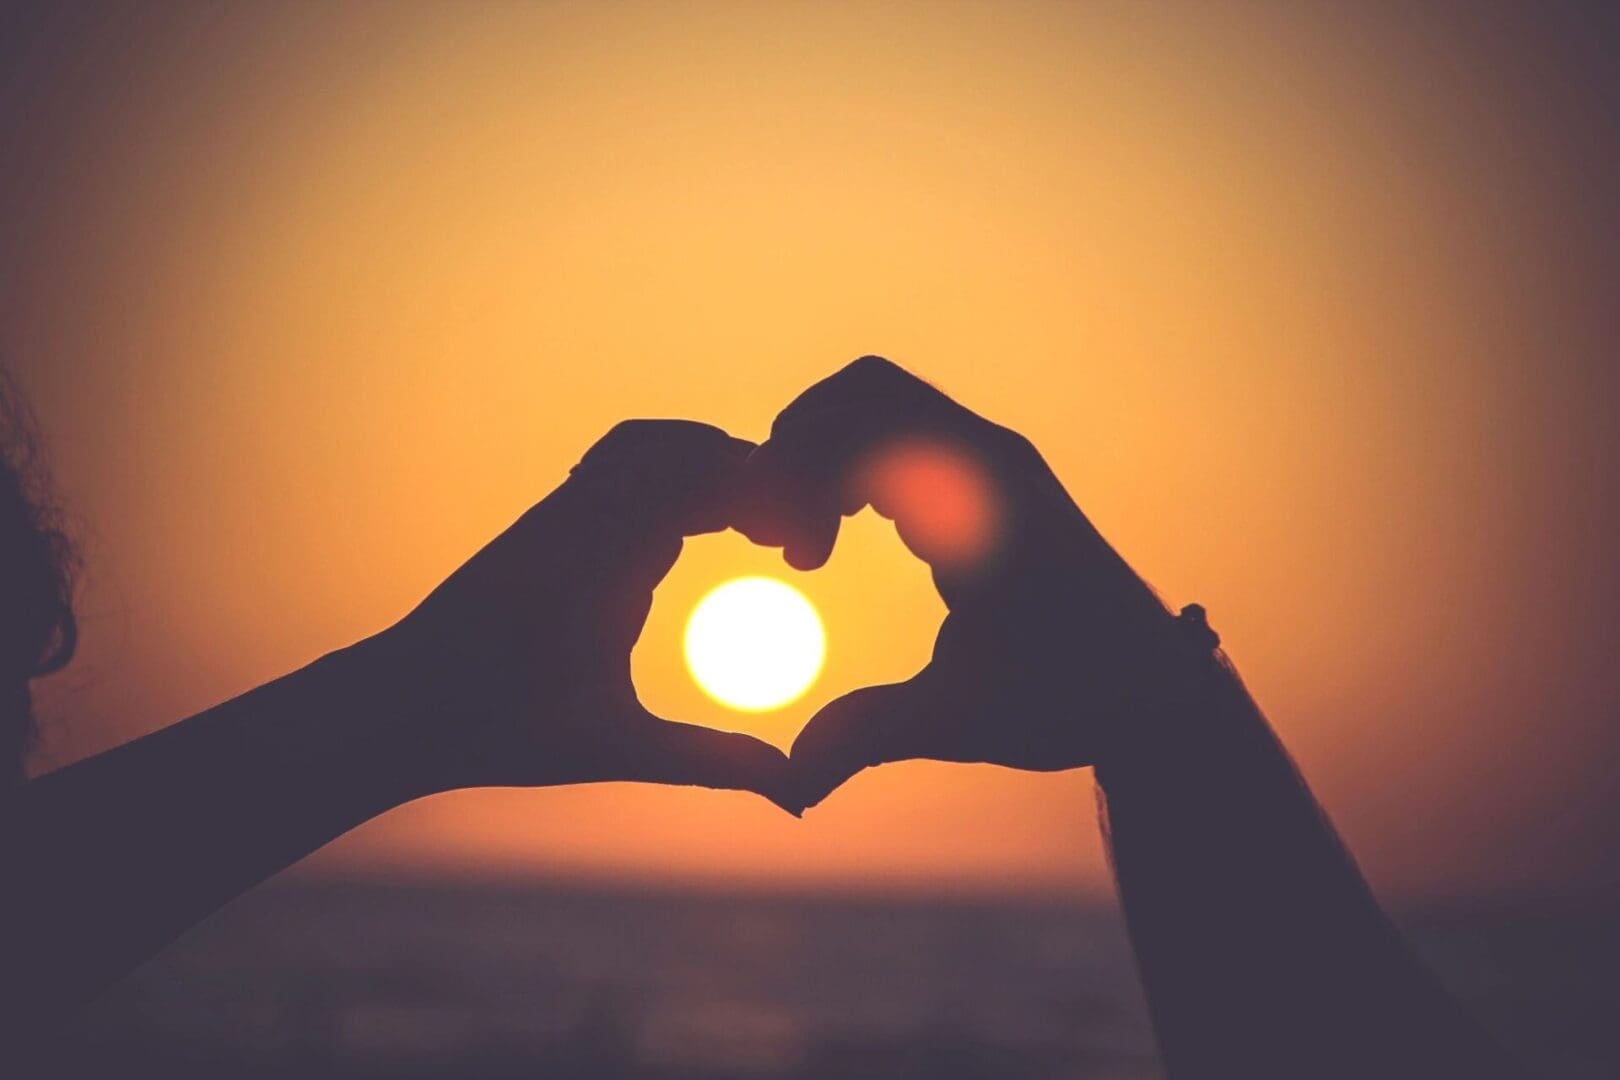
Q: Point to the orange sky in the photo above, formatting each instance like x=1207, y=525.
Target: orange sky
x=1310, y=313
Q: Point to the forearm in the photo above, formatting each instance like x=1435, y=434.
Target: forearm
x=1262, y=952
x=111, y=858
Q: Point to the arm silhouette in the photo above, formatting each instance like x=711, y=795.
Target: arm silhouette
x=1261, y=950
x=515, y=671
x=112, y=857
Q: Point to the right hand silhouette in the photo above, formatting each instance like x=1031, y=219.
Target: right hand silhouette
x=1050, y=642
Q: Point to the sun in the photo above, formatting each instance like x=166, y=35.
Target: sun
x=754, y=643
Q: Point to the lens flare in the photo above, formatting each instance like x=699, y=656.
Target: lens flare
x=938, y=495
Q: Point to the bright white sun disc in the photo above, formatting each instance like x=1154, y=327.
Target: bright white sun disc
x=754, y=643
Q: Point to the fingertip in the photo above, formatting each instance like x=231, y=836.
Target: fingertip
x=780, y=794
x=806, y=556
x=866, y=727
x=813, y=791
x=764, y=512
x=811, y=544
x=821, y=764
x=773, y=777
x=724, y=760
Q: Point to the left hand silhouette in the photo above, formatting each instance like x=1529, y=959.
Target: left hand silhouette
x=519, y=663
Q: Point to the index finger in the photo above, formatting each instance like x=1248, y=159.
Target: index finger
x=672, y=477
x=874, y=434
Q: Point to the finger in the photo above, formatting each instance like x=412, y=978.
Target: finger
x=823, y=430
x=871, y=726
x=644, y=486
x=875, y=434
x=677, y=476
x=668, y=752
x=866, y=380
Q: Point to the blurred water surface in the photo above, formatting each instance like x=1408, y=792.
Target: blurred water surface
x=342, y=979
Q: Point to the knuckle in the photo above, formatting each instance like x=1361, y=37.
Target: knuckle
x=1013, y=444
x=632, y=427
x=624, y=433
x=872, y=366
x=876, y=373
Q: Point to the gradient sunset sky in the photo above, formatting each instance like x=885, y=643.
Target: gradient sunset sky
x=1312, y=307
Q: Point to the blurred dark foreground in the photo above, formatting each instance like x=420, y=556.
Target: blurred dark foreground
x=337, y=980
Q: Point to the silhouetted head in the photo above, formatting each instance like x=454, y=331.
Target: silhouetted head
x=37, y=629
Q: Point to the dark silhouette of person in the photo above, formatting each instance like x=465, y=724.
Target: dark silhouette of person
x=1261, y=950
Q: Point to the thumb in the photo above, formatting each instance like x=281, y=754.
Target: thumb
x=668, y=752
x=870, y=726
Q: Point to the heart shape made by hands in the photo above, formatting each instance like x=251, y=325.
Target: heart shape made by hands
x=1045, y=625
x=875, y=603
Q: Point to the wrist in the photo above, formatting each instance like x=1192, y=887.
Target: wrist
x=1177, y=718
x=1171, y=683
x=395, y=732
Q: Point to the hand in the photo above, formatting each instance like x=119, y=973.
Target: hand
x=519, y=663
x=1050, y=638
